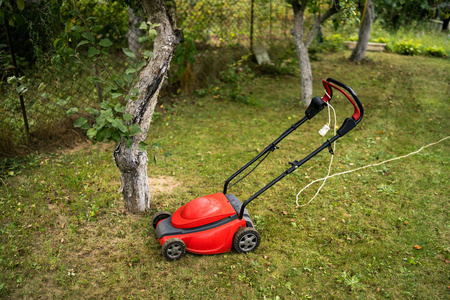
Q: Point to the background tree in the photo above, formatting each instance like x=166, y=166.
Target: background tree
x=395, y=13
x=303, y=40
x=364, y=32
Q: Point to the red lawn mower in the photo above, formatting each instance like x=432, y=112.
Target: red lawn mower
x=215, y=223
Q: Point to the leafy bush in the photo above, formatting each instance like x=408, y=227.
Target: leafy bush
x=384, y=41
x=407, y=47
x=105, y=19
x=381, y=40
x=435, y=51
x=334, y=42
x=236, y=76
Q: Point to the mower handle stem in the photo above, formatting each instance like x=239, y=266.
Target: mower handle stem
x=317, y=104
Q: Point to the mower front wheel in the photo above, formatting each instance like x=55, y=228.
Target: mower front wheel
x=159, y=216
x=246, y=239
x=174, y=249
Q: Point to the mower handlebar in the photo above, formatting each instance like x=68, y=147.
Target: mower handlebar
x=331, y=83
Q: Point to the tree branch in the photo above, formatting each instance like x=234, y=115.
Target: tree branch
x=315, y=28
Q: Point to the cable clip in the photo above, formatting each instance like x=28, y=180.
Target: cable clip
x=330, y=148
x=273, y=147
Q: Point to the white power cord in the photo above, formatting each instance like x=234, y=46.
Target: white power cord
x=364, y=167
x=322, y=132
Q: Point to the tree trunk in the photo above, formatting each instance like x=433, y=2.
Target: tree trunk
x=132, y=162
x=305, y=72
x=302, y=52
x=364, y=33
x=302, y=44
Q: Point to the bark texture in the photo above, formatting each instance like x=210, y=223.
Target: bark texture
x=359, y=52
x=132, y=162
x=303, y=41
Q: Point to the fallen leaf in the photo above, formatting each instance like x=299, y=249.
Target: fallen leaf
x=284, y=212
x=417, y=247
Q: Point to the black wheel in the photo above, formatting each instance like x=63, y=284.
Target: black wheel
x=246, y=239
x=174, y=249
x=160, y=215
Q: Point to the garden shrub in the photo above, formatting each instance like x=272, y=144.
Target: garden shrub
x=334, y=42
x=435, y=51
x=407, y=47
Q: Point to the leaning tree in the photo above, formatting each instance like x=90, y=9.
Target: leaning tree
x=131, y=159
x=368, y=16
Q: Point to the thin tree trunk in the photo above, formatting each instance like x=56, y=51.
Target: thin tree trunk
x=302, y=52
x=359, y=52
x=132, y=162
x=302, y=44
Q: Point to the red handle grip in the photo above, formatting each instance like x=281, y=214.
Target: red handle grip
x=329, y=92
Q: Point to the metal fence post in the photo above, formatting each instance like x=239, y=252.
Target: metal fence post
x=16, y=73
x=251, y=26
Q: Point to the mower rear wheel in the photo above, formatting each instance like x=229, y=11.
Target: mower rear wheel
x=246, y=239
x=174, y=249
x=160, y=215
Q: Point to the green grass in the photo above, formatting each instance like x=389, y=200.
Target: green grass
x=64, y=234
x=419, y=38
x=422, y=36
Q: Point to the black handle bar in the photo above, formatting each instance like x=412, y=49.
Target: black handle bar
x=359, y=109
x=317, y=104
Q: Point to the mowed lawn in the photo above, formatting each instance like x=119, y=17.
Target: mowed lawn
x=381, y=232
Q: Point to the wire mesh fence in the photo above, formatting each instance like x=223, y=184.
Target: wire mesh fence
x=50, y=84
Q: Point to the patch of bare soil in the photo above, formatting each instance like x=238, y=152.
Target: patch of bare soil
x=88, y=146
x=163, y=184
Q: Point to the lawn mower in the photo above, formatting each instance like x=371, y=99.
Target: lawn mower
x=217, y=223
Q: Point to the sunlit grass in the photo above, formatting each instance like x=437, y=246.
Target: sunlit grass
x=64, y=234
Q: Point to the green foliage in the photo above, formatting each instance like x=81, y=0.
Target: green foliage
x=396, y=13
x=32, y=29
x=381, y=40
x=183, y=55
x=435, y=51
x=94, y=43
x=112, y=123
x=10, y=167
x=106, y=20
x=407, y=47
x=334, y=43
x=199, y=20
x=236, y=77
x=353, y=282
